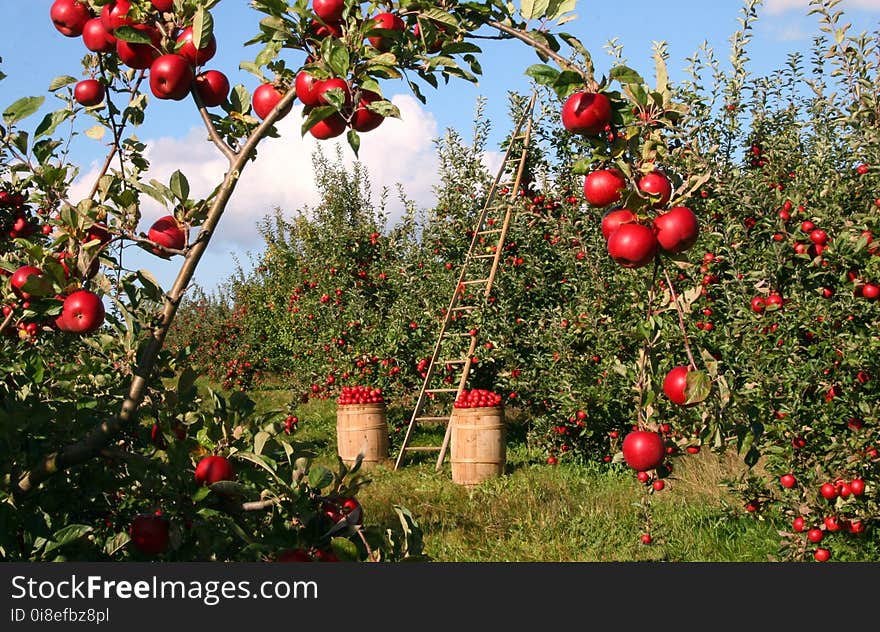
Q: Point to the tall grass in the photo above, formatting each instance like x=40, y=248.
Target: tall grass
x=539, y=513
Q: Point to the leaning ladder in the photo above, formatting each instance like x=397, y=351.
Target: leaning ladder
x=503, y=196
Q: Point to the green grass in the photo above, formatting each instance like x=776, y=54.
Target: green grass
x=541, y=513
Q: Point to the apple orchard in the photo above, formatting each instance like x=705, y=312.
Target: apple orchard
x=690, y=267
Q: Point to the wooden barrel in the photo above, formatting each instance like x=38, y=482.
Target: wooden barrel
x=361, y=429
x=478, y=444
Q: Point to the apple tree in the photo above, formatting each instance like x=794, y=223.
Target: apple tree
x=91, y=398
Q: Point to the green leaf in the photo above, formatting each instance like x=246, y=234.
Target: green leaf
x=116, y=543
x=131, y=35
x=60, y=82
x=260, y=441
x=179, y=186
x=320, y=477
x=354, y=141
x=22, y=109
x=624, y=75
x=697, y=387
x=68, y=534
x=151, y=286
x=542, y=74
x=439, y=15
x=51, y=122
x=558, y=8
x=203, y=28
x=336, y=55
x=317, y=114
x=240, y=99
x=345, y=549
x=261, y=461
x=200, y=494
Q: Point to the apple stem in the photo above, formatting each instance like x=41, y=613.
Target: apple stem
x=523, y=36
x=372, y=556
x=6, y=321
x=116, y=128
x=642, y=383
x=681, y=323
x=224, y=148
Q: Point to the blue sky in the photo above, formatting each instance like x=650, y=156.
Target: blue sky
x=33, y=53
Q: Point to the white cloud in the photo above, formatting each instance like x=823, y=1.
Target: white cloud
x=399, y=151
x=775, y=7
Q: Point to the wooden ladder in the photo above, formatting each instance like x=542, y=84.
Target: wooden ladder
x=503, y=196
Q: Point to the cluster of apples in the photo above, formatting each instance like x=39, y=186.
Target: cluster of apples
x=477, y=398
x=312, y=91
x=82, y=310
x=31, y=288
x=16, y=220
x=360, y=395
x=630, y=242
x=171, y=60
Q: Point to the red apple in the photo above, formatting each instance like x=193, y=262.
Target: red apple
x=82, y=313
x=364, y=119
x=675, y=385
x=389, y=21
x=294, y=555
x=89, y=92
x=321, y=31
x=822, y=555
x=677, y=229
x=612, y=220
x=115, y=14
x=212, y=87
x=787, y=481
x=604, y=187
x=187, y=49
x=139, y=56
x=97, y=38
x=20, y=277
x=870, y=291
x=656, y=183
x=212, y=469
x=307, y=88
x=586, y=113
x=171, y=77
x=167, y=232
x=163, y=5
x=69, y=17
x=330, y=127
x=643, y=450
x=265, y=98
x=328, y=10
x=149, y=533
x=632, y=245
x=828, y=491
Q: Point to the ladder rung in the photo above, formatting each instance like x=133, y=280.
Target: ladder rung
x=490, y=256
x=441, y=390
x=463, y=308
x=475, y=281
x=423, y=448
x=489, y=231
x=451, y=361
x=432, y=418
